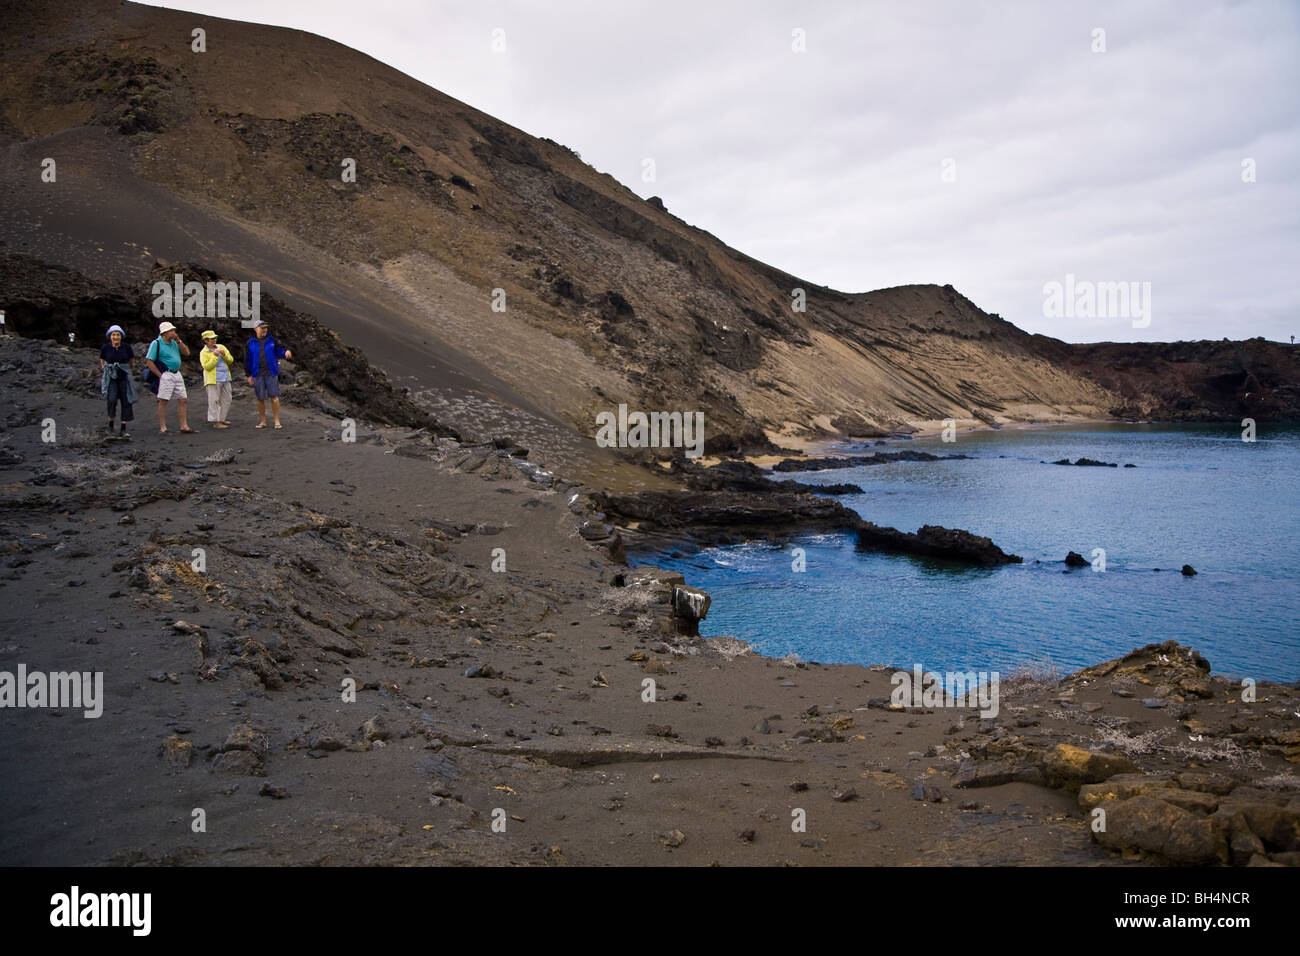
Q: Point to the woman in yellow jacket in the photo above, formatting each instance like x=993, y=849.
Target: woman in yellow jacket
x=216, y=360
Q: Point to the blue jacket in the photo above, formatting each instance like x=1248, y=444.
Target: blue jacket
x=258, y=349
x=111, y=371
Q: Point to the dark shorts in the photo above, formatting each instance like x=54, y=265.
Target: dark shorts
x=266, y=386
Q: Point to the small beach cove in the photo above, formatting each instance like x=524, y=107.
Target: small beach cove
x=1198, y=495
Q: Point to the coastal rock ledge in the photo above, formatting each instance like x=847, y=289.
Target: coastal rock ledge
x=1152, y=795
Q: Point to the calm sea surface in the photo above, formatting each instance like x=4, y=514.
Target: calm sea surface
x=1199, y=495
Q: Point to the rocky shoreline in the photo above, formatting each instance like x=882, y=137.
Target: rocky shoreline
x=859, y=461
x=509, y=687
x=735, y=501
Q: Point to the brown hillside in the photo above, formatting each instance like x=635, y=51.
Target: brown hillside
x=232, y=158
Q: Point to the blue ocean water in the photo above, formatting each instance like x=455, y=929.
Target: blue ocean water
x=1199, y=495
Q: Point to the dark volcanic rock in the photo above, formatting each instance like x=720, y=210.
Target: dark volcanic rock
x=726, y=516
x=933, y=541
x=973, y=773
x=755, y=513
x=854, y=461
x=927, y=793
x=746, y=476
x=1189, y=381
x=1087, y=463
x=838, y=488
x=1076, y=560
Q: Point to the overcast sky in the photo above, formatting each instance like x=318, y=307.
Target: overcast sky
x=831, y=163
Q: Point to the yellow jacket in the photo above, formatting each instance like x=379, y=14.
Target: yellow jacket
x=208, y=359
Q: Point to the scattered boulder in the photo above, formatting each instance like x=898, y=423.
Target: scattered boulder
x=1145, y=825
x=240, y=763
x=324, y=739
x=244, y=752
x=927, y=793
x=984, y=773
x=605, y=536
x=690, y=606
x=818, y=732
x=1068, y=767
x=375, y=729
x=672, y=838
x=257, y=658
x=177, y=752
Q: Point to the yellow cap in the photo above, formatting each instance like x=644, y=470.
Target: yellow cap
x=209, y=334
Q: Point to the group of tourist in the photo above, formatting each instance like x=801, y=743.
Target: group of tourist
x=163, y=358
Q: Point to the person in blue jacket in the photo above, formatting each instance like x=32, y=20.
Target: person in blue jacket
x=262, y=362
